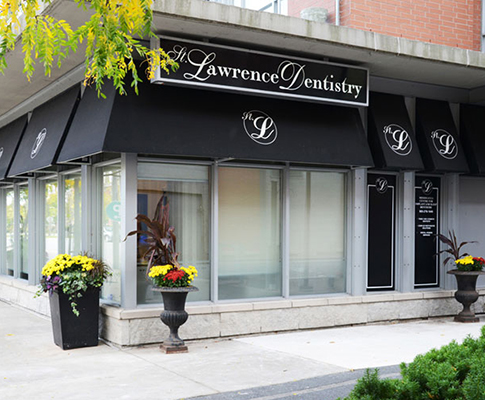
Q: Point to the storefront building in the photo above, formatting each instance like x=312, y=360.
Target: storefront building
x=307, y=168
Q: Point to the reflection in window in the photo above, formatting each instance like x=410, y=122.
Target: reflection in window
x=72, y=218
x=50, y=220
x=10, y=232
x=186, y=190
x=317, y=233
x=24, y=231
x=111, y=232
x=249, y=233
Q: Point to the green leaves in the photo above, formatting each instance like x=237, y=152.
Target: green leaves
x=110, y=34
x=453, y=372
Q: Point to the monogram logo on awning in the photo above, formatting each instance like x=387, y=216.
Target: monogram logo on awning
x=39, y=141
x=1, y=152
x=398, y=139
x=260, y=127
x=382, y=185
x=444, y=143
x=427, y=187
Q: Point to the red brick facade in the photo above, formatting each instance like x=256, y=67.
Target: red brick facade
x=454, y=23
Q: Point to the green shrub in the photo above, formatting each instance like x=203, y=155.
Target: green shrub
x=453, y=372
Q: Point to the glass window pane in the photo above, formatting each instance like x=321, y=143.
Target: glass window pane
x=186, y=189
x=50, y=218
x=249, y=233
x=24, y=232
x=72, y=218
x=317, y=233
x=111, y=232
x=10, y=231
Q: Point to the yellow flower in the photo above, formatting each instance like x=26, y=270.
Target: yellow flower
x=158, y=270
x=465, y=260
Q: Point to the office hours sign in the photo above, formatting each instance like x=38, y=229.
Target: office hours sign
x=427, y=217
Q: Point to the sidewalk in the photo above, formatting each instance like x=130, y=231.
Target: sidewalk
x=32, y=367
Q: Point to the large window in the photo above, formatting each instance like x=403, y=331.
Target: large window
x=185, y=189
x=10, y=231
x=111, y=231
x=317, y=233
x=72, y=215
x=24, y=231
x=249, y=233
x=51, y=243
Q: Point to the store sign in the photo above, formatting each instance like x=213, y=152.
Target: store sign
x=39, y=141
x=427, y=205
x=398, y=139
x=444, y=143
x=260, y=127
x=234, y=69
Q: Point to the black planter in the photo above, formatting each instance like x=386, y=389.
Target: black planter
x=466, y=293
x=69, y=331
x=174, y=315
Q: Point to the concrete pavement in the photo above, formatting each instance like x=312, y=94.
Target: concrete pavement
x=31, y=366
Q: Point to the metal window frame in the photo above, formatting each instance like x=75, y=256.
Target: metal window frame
x=3, y=231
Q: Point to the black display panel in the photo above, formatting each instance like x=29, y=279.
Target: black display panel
x=381, y=192
x=427, y=216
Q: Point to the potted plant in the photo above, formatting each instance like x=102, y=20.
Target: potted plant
x=74, y=285
x=166, y=274
x=467, y=270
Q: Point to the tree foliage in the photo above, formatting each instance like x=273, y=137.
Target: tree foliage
x=111, y=35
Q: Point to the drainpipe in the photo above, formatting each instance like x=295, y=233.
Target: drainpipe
x=483, y=26
x=337, y=12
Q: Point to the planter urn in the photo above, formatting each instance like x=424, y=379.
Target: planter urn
x=71, y=331
x=174, y=316
x=466, y=293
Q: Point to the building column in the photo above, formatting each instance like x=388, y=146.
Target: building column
x=358, y=242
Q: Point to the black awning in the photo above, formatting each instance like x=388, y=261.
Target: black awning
x=45, y=132
x=10, y=137
x=391, y=135
x=472, y=130
x=438, y=138
x=186, y=122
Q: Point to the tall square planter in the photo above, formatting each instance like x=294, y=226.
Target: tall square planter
x=70, y=331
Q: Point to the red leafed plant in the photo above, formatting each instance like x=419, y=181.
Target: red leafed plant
x=454, y=249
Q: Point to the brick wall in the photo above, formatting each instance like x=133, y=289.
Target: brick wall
x=454, y=23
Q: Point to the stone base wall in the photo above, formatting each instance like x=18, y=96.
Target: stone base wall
x=143, y=326
x=135, y=327
x=18, y=292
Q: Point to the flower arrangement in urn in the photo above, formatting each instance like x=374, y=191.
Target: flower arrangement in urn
x=167, y=275
x=72, y=275
x=468, y=268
